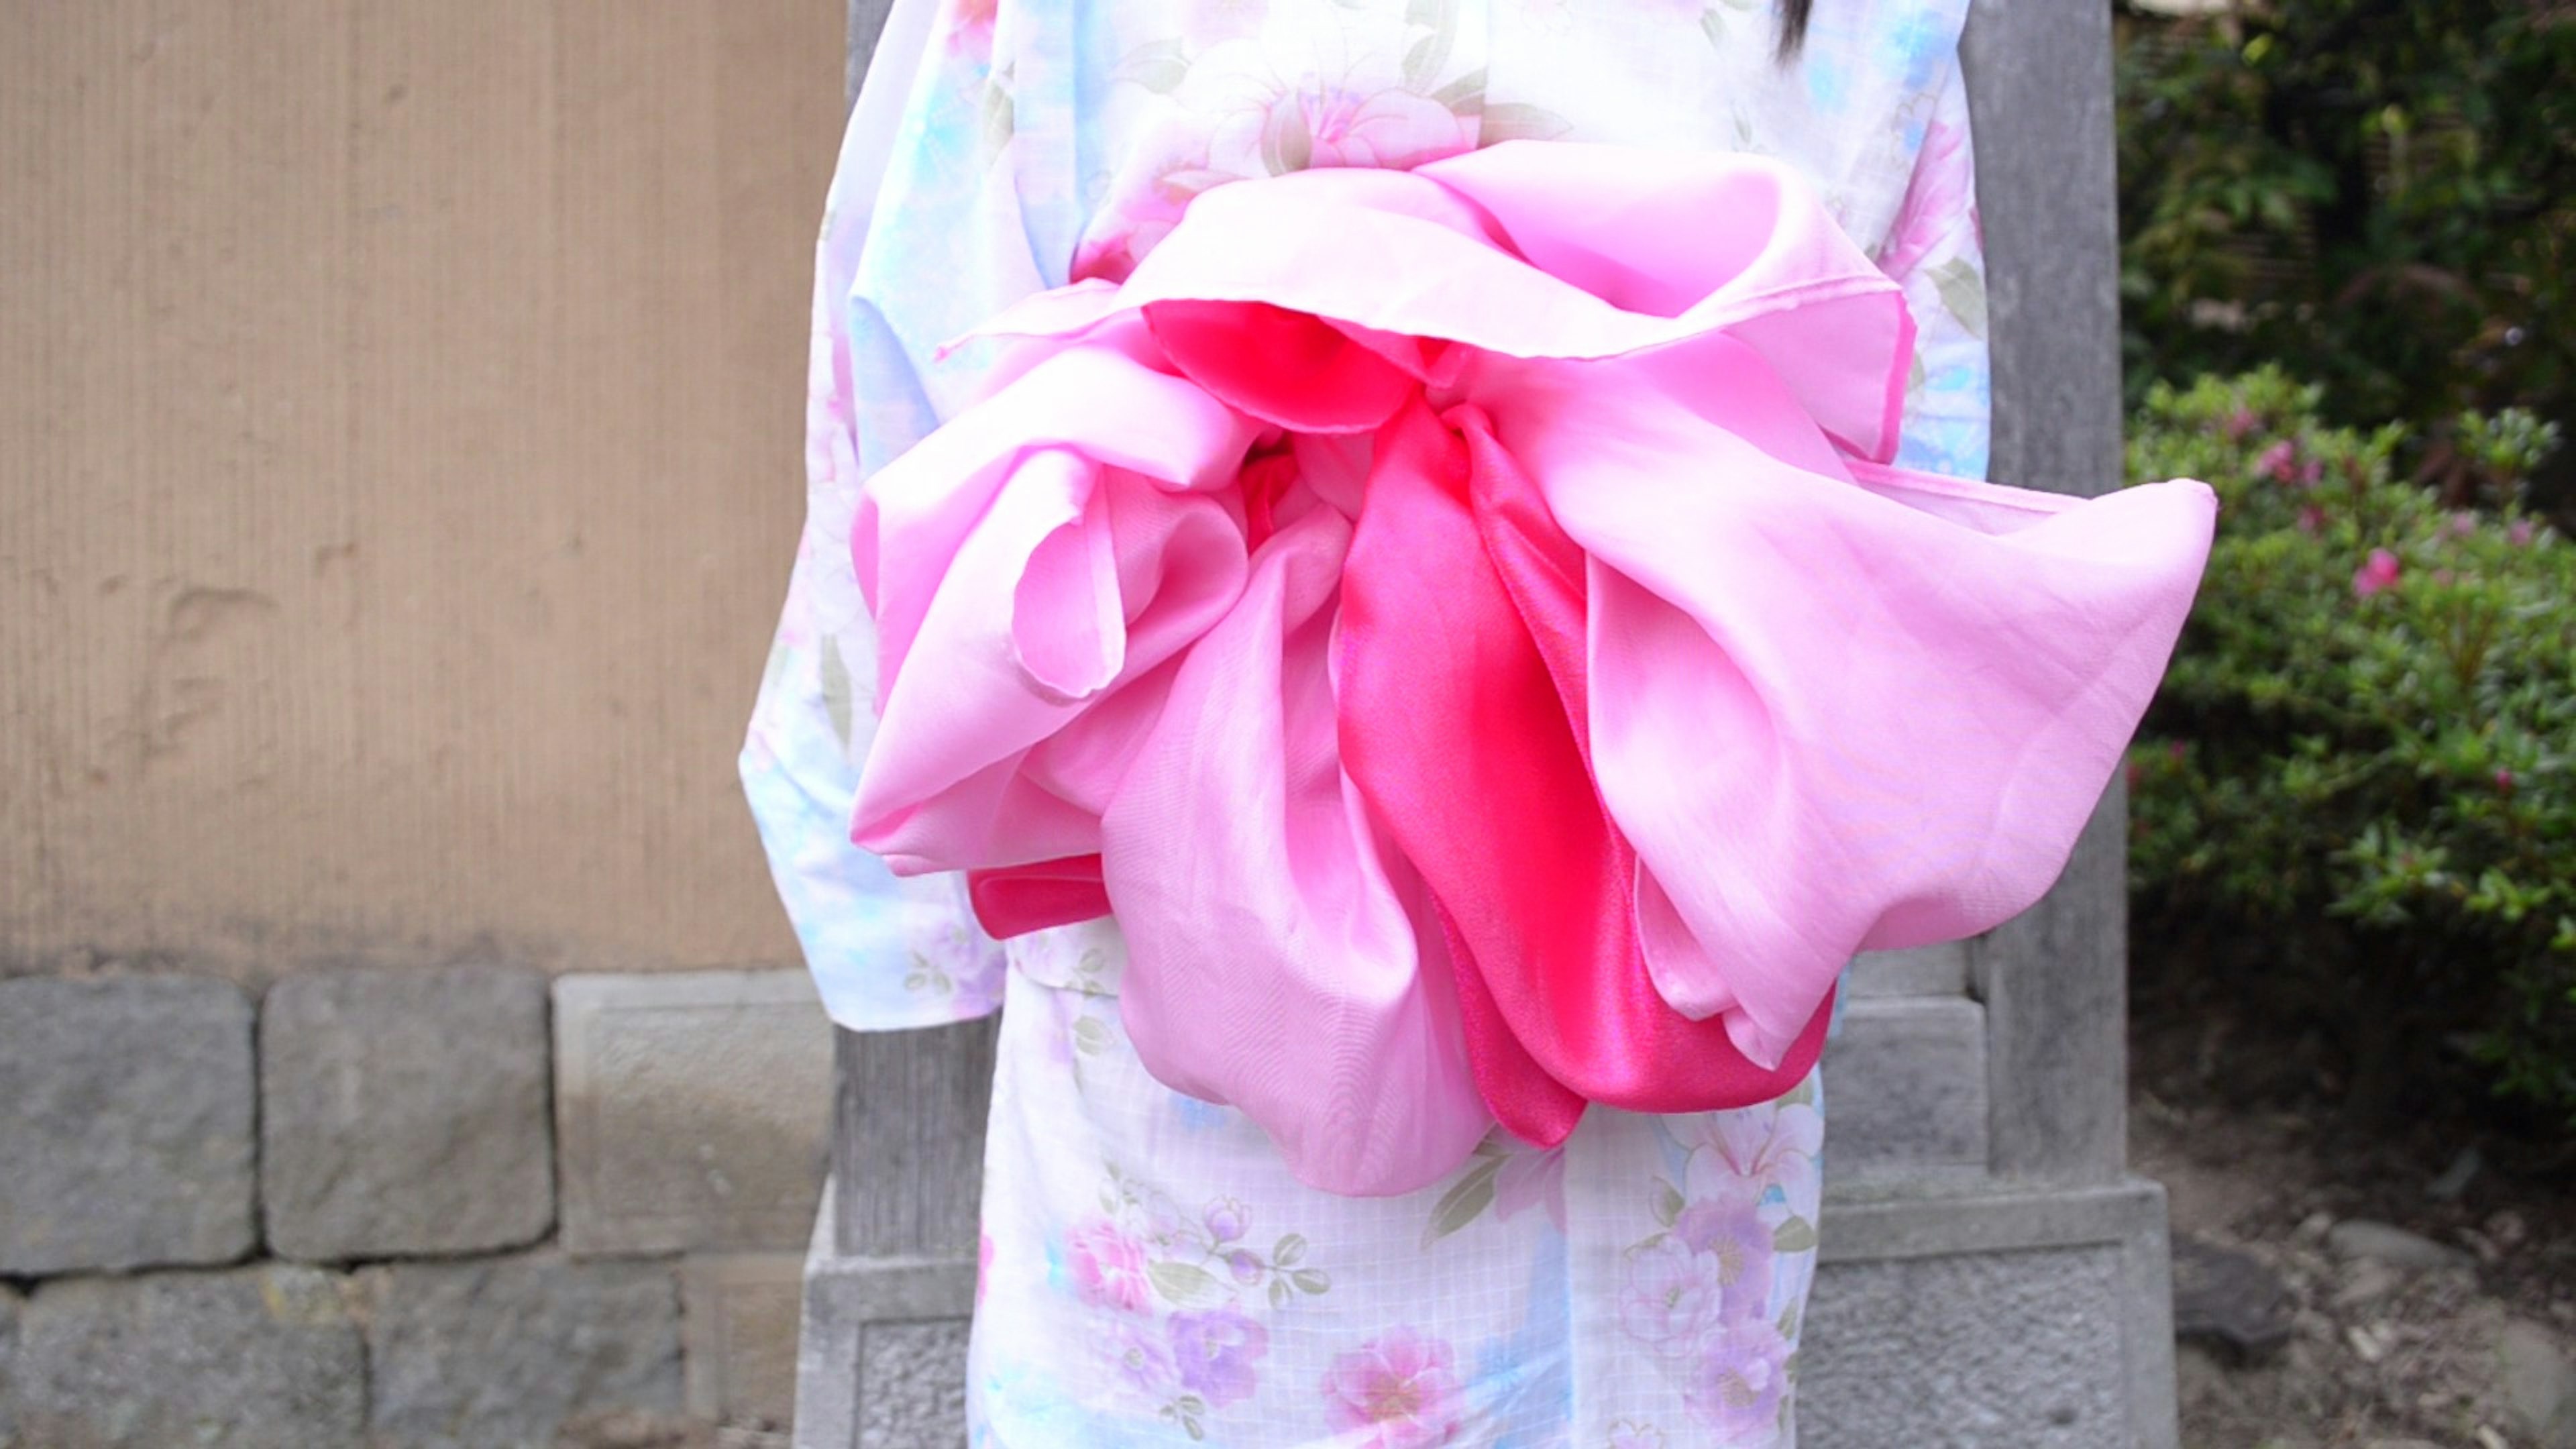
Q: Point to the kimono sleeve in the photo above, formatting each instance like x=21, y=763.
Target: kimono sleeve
x=887, y=953
x=1936, y=252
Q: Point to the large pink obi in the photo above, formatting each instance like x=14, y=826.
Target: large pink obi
x=1462, y=623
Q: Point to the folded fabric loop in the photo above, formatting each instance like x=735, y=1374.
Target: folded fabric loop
x=1291, y=369
x=1016, y=900
x=1463, y=698
x=1272, y=963
x=1462, y=624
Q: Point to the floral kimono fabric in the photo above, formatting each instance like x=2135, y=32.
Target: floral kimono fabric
x=1154, y=1272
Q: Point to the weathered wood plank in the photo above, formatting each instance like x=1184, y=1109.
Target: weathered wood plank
x=908, y=1139
x=2039, y=95
x=2054, y=980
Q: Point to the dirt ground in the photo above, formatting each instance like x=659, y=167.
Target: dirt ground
x=2380, y=1355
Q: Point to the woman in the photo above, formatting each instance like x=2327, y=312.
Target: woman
x=1153, y=1269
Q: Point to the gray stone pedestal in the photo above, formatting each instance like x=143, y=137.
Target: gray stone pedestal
x=882, y=1357
x=1988, y=1316
x=1949, y=1313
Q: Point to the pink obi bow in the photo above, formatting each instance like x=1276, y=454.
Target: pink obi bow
x=1463, y=624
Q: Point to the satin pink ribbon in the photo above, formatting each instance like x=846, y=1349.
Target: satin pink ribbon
x=1463, y=626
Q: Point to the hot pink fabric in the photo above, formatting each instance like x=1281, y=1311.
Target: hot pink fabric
x=1463, y=625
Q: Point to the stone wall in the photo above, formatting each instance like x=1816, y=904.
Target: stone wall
x=470, y=1207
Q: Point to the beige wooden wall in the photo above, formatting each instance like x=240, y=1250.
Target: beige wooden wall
x=399, y=461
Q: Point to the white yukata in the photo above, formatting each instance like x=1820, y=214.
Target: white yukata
x=1151, y=1273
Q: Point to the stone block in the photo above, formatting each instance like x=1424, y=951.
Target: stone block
x=2382, y=1242
x=1921, y=971
x=126, y=1137
x=693, y=1109
x=1991, y=1313
x=404, y=1112
x=913, y=1386
x=258, y=1358
x=1978, y=1351
x=738, y=1328
x=1905, y=1089
x=2229, y=1301
x=506, y=1353
x=881, y=1355
x=2535, y=1377
x=10, y=1306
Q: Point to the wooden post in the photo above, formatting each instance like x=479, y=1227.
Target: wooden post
x=2054, y=981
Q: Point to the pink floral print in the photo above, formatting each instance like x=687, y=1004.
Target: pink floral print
x=1181, y=1304
x=1531, y=1178
x=1313, y=123
x=1109, y=1267
x=1673, y=1296
x=1939, y=197
x=1736, y=1387
x=1728, y=1230
x=1766, y=1147
x=970, y=30
x=1401, y=1388
x=1699, y=1296
x=1227, y=112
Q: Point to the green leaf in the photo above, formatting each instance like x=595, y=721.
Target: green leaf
x=1963, y=292
x=1464, y=96
x=1797, y=1235
x=1424, y=59
x=1290, y=146
x=1182, y=1283
x=1668, y=1202
x=1090, y=1035
x=1512, y=121
x=1279, y=1293
x=1466, y=1198
x=1789, y=1321
x=836, y=689
x=1312, y=1282
x=1290, y=1249
x=1000, y=118
x=1159, y=67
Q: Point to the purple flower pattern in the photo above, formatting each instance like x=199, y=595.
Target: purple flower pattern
x=1703, y=1297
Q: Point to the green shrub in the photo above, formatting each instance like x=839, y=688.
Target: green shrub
x=2354, y=800
x=2374, y=193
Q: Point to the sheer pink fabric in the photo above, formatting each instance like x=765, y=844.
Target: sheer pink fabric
x=1461, y=623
